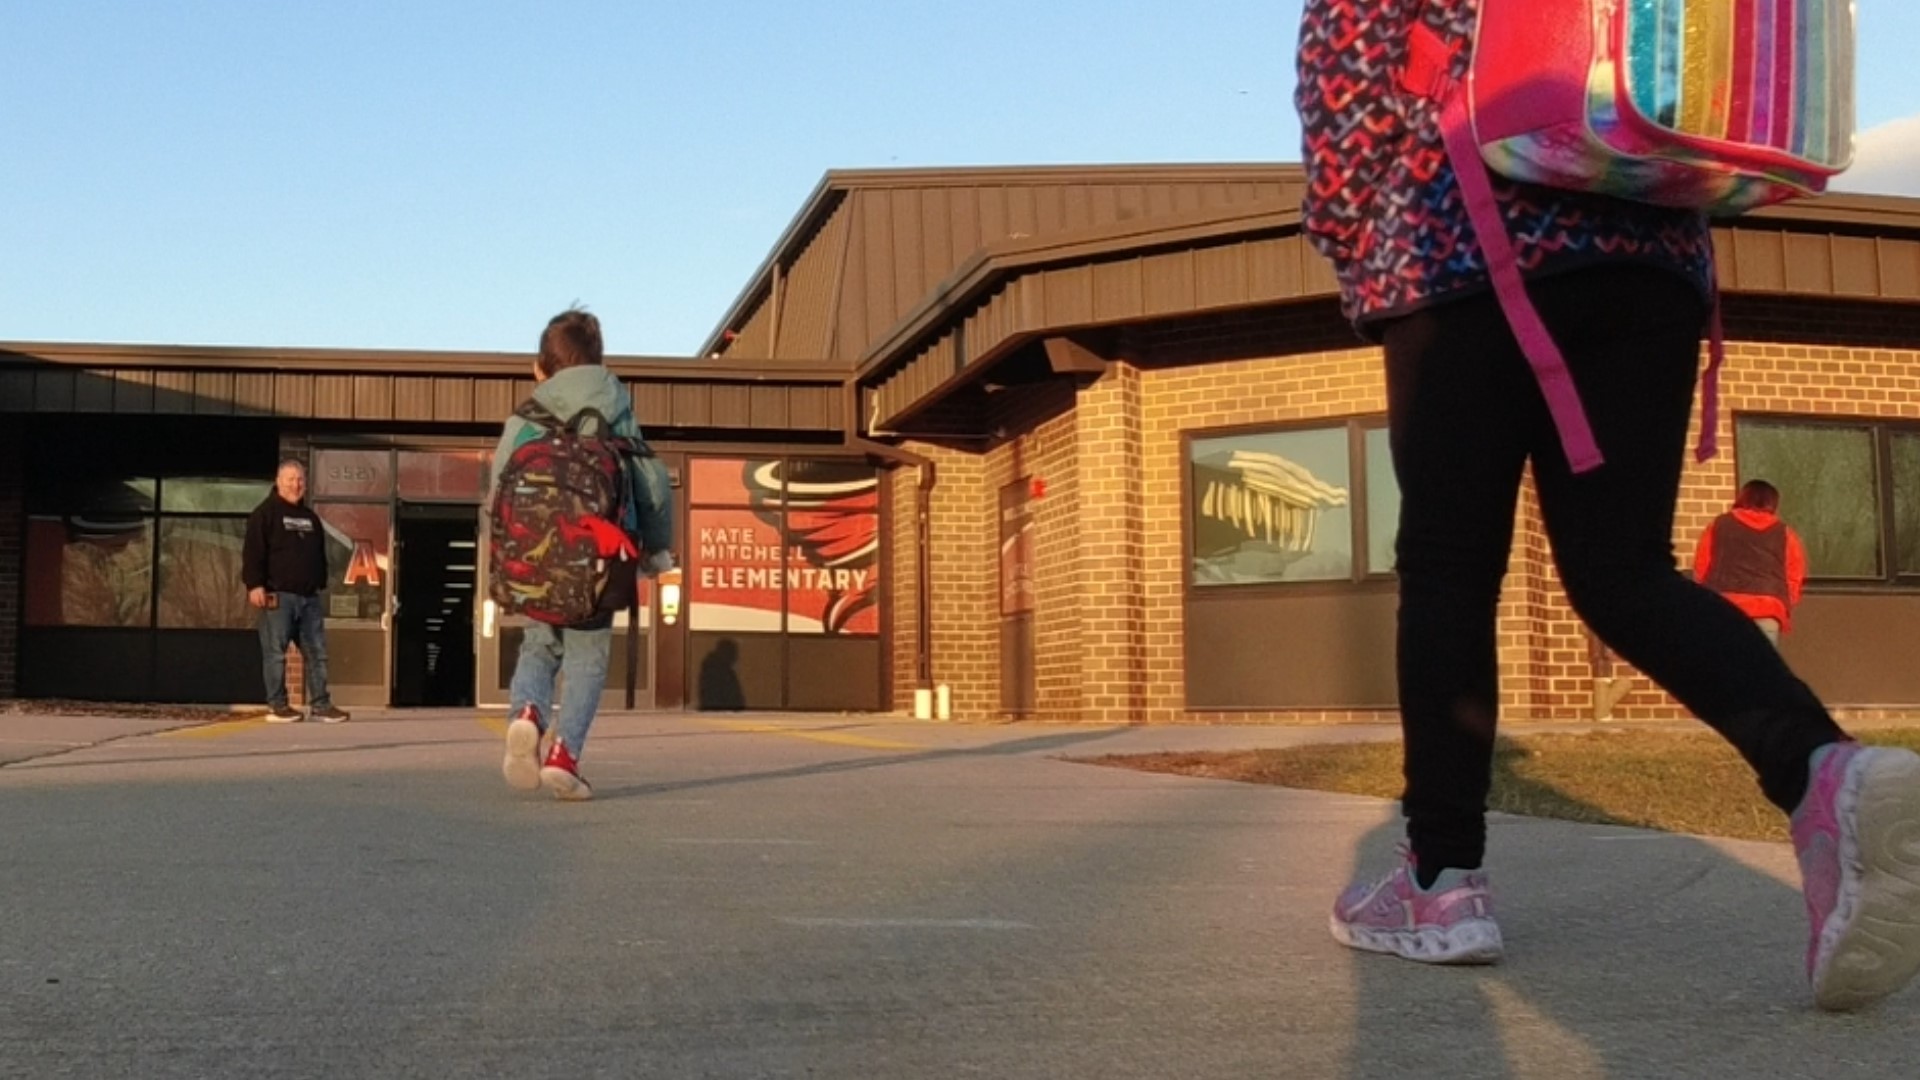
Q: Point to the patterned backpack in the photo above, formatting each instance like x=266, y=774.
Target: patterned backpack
x=1713, y=105
x=560, y=548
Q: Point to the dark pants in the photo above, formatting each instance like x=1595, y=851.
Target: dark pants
x=302, y=621
x=1466, y=415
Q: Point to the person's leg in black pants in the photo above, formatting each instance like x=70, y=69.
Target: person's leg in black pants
x=1612, y=528
x=1455, y=390
x=1465, y=414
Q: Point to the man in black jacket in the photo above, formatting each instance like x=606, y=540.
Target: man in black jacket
x=284, y=567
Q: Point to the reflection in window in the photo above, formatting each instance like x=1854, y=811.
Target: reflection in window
x=1383, y=503
x=1829, y=491
x=357, y=564
x=1271, y=507
x=89, y=571
x=212, y=494
x=200, y=574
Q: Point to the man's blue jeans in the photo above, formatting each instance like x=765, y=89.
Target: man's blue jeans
x=301, y=620
x=579, y=655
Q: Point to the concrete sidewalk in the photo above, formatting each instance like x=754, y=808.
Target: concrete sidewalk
x=765, y=896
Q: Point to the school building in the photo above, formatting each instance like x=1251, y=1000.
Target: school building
x=1081, y=444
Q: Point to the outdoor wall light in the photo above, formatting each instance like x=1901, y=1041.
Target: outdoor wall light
x=670, y=596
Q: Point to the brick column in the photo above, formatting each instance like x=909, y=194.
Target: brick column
x=1112, y=548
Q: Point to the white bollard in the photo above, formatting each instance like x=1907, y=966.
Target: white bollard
x=923, y=704
x=943, y=695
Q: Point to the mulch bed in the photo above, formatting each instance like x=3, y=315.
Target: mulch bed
x=138, y=710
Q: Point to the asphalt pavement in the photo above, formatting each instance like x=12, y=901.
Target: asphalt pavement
x=860, y=897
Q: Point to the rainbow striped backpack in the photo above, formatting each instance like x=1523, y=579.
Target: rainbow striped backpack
x=1713, y=105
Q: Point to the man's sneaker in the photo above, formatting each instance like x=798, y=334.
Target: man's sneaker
x=522, y=766
x=1857, y=835
x=1451, y=923
x=283, y=714
x=561, y=775
x=331, y=714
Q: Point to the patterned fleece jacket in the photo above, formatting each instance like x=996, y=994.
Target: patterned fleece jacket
x=1381, y=199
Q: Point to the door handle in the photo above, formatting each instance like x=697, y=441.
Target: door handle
x=489, y=612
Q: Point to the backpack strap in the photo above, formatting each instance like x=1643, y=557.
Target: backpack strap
x=537, y=414
x=1428, y=74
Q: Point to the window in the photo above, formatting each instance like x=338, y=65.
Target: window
x=1851, y=490
x=791, y=544
x=94, y=546
x=1280, y=506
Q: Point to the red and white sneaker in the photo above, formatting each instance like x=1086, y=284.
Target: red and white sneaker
x=561, y=775
x=522, y=766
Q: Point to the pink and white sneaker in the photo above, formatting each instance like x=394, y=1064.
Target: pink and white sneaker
x=1451, y=923
x=1857, y=835
x=522, y=766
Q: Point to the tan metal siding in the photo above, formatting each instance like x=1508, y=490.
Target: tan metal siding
x=767, y=407
x=253, y=393
x=1899, y=268
x=692, y=406
x=133, y=391
x=453, y=399
x=412, y=398
x=653, y=403
x=806, y=311
x=173, y=392
x=493, y=397
x=53, y=391
x=1809, y=263
x=333, y=397
x=213, y=393
x=94, y=392
x=732, y=407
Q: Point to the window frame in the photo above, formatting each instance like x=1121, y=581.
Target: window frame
x=1362, y=576
x=1881, y=432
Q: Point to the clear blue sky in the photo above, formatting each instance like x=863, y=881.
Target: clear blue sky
x=439, y=174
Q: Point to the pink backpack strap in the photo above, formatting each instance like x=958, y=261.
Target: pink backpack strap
x=1709, y=443
x=1503, y=265
x=1428, y=72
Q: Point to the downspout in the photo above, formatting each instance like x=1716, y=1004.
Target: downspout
x=922, y=534
x=922, y=551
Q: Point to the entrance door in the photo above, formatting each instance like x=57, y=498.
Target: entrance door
x=497, y=637
x=437, y=570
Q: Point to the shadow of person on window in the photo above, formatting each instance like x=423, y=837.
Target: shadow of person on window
x=719, y=680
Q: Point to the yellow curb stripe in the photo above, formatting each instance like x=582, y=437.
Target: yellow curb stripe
x=836, y=737
x=492, y=723
x=219, y=729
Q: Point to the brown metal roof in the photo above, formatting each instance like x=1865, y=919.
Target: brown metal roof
x=400, y=386
x=868, y=245
x=1015, y=292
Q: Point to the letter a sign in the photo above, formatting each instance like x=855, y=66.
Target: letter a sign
x=364, y=567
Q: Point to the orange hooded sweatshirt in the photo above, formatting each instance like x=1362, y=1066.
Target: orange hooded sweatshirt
x=1758, y=605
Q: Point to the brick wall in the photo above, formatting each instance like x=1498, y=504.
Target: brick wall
x=1108, y=531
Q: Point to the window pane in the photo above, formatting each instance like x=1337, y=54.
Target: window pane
x=1383, y=503
x=731, y=481
x=733, y=570
x=1271, y=507
x=89, y=571
x=212, y=494
x=1906, y=502
x=833, y=544
x=357, y=563
x=200, y=573
x=442, y=474
x=1829, y=493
